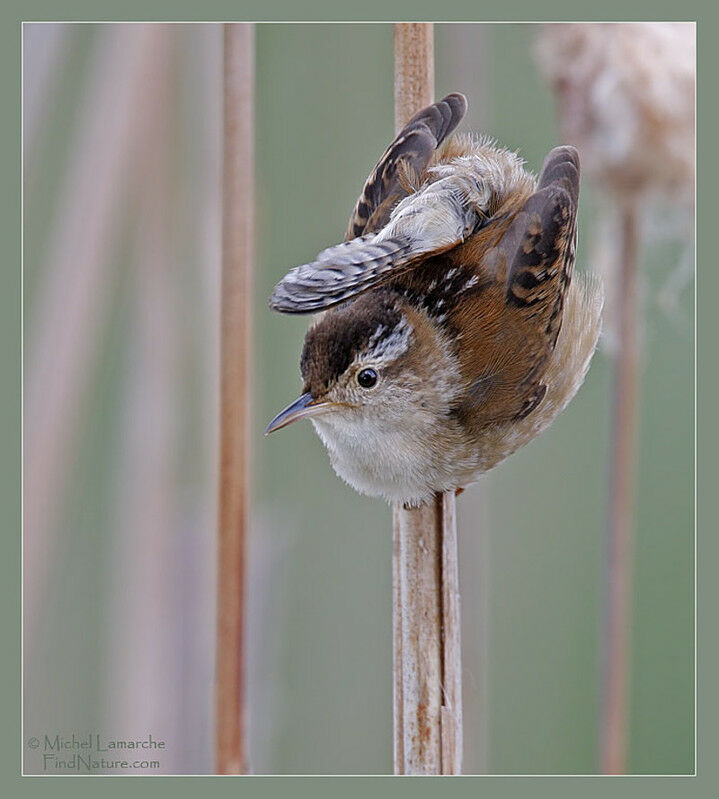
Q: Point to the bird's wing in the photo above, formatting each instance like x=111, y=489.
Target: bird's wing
x=409, y=153
x=435, y=219
x=440, y=214
x=538, y=248
x=532, y=264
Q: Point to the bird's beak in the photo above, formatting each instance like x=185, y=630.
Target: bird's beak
x=302, y=408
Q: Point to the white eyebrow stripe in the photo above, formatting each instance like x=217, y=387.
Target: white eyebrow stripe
x=393, y=345
x=376, y=336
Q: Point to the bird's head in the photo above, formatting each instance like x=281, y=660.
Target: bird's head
x=377, y=363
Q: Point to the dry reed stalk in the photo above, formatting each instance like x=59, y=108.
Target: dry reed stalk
x=237, y=260
x=145, y=676
x=64, y=337
x=426, y=624
x=621, y=521
x=626, y=100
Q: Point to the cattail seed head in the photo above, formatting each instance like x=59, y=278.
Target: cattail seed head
x=626, y=101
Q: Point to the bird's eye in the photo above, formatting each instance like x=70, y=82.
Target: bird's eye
x=367, y=378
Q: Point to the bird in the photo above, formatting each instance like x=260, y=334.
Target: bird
x=450, y=330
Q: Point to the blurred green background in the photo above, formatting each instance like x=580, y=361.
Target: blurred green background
x=119, y=597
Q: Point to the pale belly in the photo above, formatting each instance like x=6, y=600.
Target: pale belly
x=409, y=459
x=396, y=465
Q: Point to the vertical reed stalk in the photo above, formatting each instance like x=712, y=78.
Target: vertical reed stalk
x=145, y=664
x=65, y=332
x=621, y=517
x=237, y=259
x=426, y=624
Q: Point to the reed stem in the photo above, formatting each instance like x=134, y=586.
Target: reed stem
x=426, y=621
x=236, y=327
x=621, y=516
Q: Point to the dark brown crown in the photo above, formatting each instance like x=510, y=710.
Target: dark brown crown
x=345, y=332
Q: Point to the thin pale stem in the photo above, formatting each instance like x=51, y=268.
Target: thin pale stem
x=418, y=639
x=451, y=642
x=64, y=335
x=621, y=517
x=426, y=624
x=237, y=260
x=413, y=69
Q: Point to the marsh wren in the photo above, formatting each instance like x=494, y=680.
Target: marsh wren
x=453, y=333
